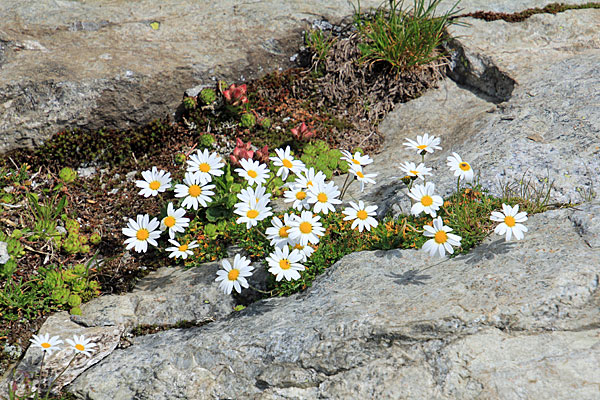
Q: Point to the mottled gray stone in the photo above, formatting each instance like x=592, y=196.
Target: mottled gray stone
x=165, y=297
x=588, y=221
x=395, y=324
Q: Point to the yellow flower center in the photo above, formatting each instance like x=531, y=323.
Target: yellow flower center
x=233, y=274
x=79, y=347
x=252, y=214
x=284, y=264
x=305, y=227
x=414, y=172
x=169, y=221
x=46, y=345
x=362, y=214
x=309, y=183
x=426, y=200
x=301, y=195
x=287, y=163
x=422, y=146
x=204, y=167
x=142, y=234
x=195, y=191
x=283, y=231
x=355, y=161
x=298, y=247
x=509, y=221
x=252, y=174
x=154, y=185
x=464, y=166
x=322, y=197
x=360, y=174
x=183, y=247
x=440, y=237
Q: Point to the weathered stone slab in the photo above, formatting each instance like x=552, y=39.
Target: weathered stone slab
x=391, y=325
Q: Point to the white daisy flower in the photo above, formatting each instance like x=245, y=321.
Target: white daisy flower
x=362, y=216
x=298, y=195
x=287, y=163
x=205, y=165
x=195, y=190
x=363, y=178
x=426, y=201
x=442, y=240
x=81, y=345
x=324, y=196
x=304, y=250
x=410, y=169
x=460, y=168
x=234, y=277
x=278, y=233
x=46, y=343
x=181, y=250
x=424, y=143
x=253, y=171
x=309, y=178
x=141, y=232
x=284, y=264
x=252, y=212
x=355, y=160
x=510, y=219
x=249, y=193
x=174, y=221
x=306, y=228
x=154, y=182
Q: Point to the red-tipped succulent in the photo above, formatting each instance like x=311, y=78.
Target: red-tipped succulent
x=262, y=155
x=236, y=95
x=302, y=133
x=242, y=150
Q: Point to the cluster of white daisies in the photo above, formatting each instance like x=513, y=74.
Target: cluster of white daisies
x=291, y=238
x=426, y=201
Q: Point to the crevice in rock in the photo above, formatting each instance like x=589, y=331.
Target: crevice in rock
x=478, y=73
x=520, y=16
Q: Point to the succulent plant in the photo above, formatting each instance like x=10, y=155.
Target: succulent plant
x=67, y=174
x=95, y=238
x=301, y=132
x=207, y=140
x=208, y=96
x=189, y=103
x=236, y=95
x=247, y=120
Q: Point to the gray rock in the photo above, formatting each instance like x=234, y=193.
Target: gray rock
x=586, y=219
x=411, y=327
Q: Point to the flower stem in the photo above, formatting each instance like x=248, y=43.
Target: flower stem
x=458, y=185
x=345, y=186
x=59, y=375
x=40, y=374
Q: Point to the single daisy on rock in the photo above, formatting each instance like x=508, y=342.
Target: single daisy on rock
x=181, y=250
x=174, y=221
x=195, y=190
x=362, y=215
x=205, y=165
x=253, y=171
x=363, y=178
x=424, y=144
x=356, y=160
x=46, y=343
x=287, y=163
x=141, y=232
x=426, y=201
x=411, y=169
x=234, y=277
x=510, y=218
x=81, y=345
x=154, y=182
x=442, y=241
x=461, y=168
x=284, y=264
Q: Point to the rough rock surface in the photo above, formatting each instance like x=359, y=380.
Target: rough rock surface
x=549, y=129
x=117, y=63
x=509, y=320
